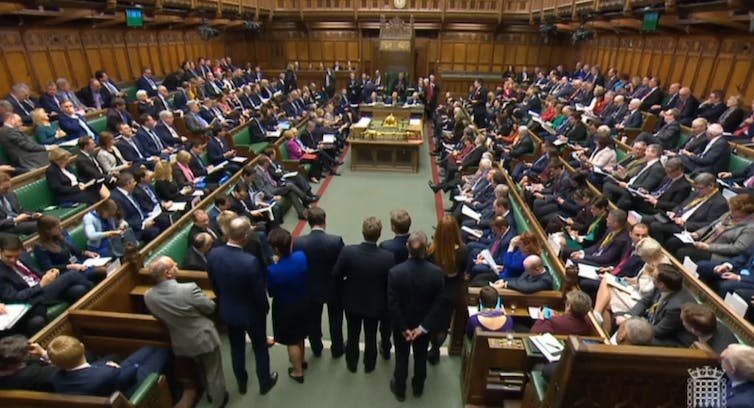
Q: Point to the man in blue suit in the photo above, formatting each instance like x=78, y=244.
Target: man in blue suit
x=400, y=223
x=737, y=361
x=149, y=140
x=481, y=272
x=146, y=82
x=322, y=250
x=74, y=124
x=136, y=217
x=77, y=376
x=238, y=280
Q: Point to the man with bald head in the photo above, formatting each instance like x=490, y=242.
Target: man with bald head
x=686, y=105
x=238, y=280
x=187, y=311
x=535, y=277
x=715, y=156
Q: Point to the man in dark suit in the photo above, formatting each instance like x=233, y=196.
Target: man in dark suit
x=400, y=223
x=668, y=134
x=24, y=153
x=74, y=124
x=13, y=218
x=736, y=360
x=663, y=306
x=647, y=179
x=148, y=139
x=715, y=156
x=118, y=114
x=130, y=148
x=167, y=132
x=19, y=97
x=146, y=82
x=92, y=96
x=21, y=282
x=633, y=118
x=609, y=250
x=329, y=83
x=673, y=189
x=196, y=257
x=102, y=378
x=137, y=218
x=238, y=280
x=50, y=101
x=362, y=269
x=202, y=224
x=322, y=251
x=108, y=86
x=653, y=97
x=414, y=289
x=535, y=278
x=22, y=365
x=87, y=167
x=713, y=107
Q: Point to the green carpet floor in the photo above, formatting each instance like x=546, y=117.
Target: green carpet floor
x=348, y=199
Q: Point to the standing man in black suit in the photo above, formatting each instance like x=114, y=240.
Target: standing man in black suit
x=329, y=83
x=238, y=280
x=362, y=269
x=322, y=250
x=414, y=288
x=400, y=223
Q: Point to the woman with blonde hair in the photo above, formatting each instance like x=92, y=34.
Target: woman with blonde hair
x=449, y=253
x=108, y=155
x=618, y=295
x=43, y=130
x=182, y=173
x=65, y=185
x=165, y=188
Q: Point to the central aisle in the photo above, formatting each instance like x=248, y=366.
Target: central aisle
x=348, y=199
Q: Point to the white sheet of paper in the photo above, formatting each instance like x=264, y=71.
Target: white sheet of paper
x=588, y=271
x=363, y=122
x=290, y=174
x=328, y=138
x=634, y=217
x=737, y=303
x=414, y=122
x=178, y=206
x=97, y=261
x=239, y=159
x=534, y=312
x=273, y=133
x=197, y=193
x=460, y=198
x=728, y=193
x=472, y=231
x=554, y=240
x=465, y=210
x=690, y=266
x=68, y=143
x=489, y=260
x=13, y=313
x=685, y=237
x=218, y=167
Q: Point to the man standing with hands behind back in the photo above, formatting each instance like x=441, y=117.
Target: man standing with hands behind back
x=238, y=280
x=414, y=288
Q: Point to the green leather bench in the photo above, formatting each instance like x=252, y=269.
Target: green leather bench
x=283, y=156
x=36, y=196
x=99, y=124
x=242, y=140
x=130, y=92
x=540, y=384
x=738, y=163
x=619, y=154
x=175, y=247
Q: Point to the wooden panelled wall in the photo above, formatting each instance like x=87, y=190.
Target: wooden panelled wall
x=703, y=63
x=36, y=56
x=447, y=52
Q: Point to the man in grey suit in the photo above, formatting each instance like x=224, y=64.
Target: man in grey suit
x=23, y=152
x=185, y=310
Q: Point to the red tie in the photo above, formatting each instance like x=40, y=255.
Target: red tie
x=622, y=264
x=24, y=270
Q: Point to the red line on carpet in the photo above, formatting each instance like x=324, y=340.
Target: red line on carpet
x=439, y=205
x=320, y=192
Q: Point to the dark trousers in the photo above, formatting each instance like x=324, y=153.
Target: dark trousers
x=258, y=336
x=139, y=365
x=354, y=323
x=335, y=319
x=386, y=331
x=68, y=287
x=402, y=350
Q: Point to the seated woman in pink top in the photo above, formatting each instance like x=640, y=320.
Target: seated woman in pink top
x=296, y=152
x=491, y=317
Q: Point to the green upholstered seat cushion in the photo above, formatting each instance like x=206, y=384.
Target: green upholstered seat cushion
x=258, y=147
x=738, y=163
x=242, y=138
x=3, y=156
x=56, y=310
x=176, y=247
x=99, y=124
x=78, y=236
x=35, y=196
x=522, y=225
x=139, y=396
x=619, y=154
x=540, y=384
x=130, y=92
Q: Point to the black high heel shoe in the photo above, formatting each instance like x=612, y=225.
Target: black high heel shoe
x=299, y=380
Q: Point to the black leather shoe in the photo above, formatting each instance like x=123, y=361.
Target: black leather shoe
x=351, y=368
x=433, y=357
x=336, y=352
x=400, y=396
x=299, y=380
x=369, y=368
x=242, y=387
x=273, y=380
x=418, y=392
x=317, y=351
x=384, y=352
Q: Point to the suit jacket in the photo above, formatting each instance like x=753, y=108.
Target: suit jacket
x=21, y=150
x=696, y=143
x=97, y=379
x=22, y=108
x=650, y=178
x=474, y=156
x=129, y=212
x=731, y=241
x=577, y=134
x=238, y=280
x=136, y=157
x=87, y=97
x=186, y=311
x=414, y=289
x=115, y=118
x=674, y=195
x=73, y=128
x=194, y=260
x=721, y=339
x=740, y=396
x=216, y=150
x=163, y=131
x=34, y=376
x=147, y=145
x=711, y=112
x=714, y=160
x=731, y=118
x=610, y=254
x=397, y=246
x=194, y=231
x=654, y=97
x=60, y=185
x=49, y=103
x=666, y=320
x=87, y=168
x=143, y=199
x=322, y=251
x=527, y=283
x=709, y=211
x=13, y=289
x=687, y=109
x=15, y=205
x=634, y=120
x=562, y=324
x=668, y=135
x=145, y=84
x=362, y=269
x=524, y=146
